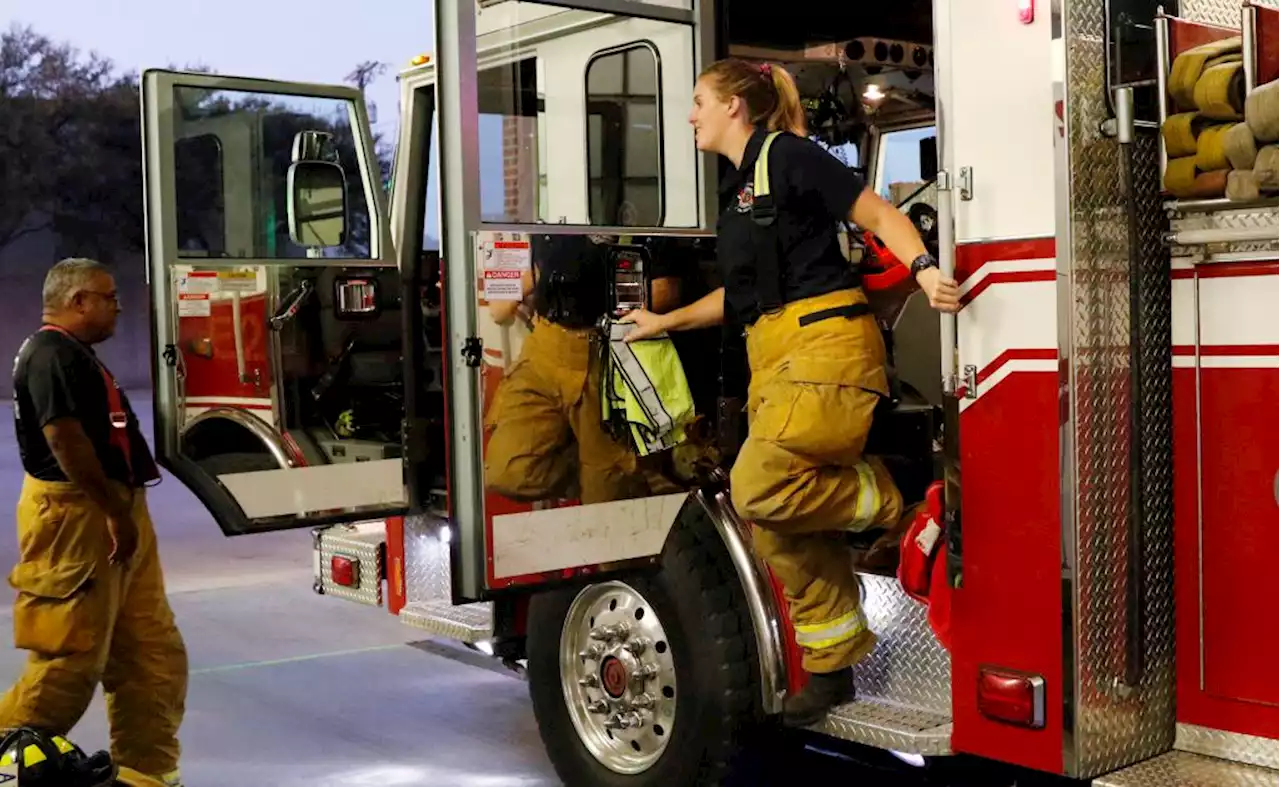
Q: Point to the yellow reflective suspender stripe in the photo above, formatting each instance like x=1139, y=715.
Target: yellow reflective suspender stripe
x=760, y=181
x=869, y=501
x=817, y=636
x=32, y=755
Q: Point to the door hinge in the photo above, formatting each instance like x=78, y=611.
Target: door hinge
x=170, y=355
x=472, y=349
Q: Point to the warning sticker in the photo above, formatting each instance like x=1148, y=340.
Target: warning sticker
x=194, y=304
x=237, y=281
x=198, y=282
x=504, y=263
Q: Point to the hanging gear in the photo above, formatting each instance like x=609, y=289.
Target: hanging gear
x=35, y=759
x=645, y=397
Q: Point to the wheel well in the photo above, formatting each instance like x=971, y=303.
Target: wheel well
x=223, y=442
x=706, y=511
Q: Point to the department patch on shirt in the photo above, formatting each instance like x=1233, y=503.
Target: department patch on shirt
x=746, y=198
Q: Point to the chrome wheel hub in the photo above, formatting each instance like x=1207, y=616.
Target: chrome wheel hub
x=618, y=676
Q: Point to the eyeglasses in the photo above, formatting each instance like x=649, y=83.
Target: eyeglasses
x=108, y=296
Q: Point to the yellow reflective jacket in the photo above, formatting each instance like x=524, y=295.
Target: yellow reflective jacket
x=644, y=393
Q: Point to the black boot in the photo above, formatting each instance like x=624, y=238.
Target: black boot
x=824, y=691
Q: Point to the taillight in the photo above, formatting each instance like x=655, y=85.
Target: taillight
x=1026, y=11
x=345, y=571
x=1011, y=697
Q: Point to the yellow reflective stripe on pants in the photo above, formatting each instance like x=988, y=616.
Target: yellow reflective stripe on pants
x=817, y=636
x=867, y=507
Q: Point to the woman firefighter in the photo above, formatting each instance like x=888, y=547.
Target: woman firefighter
x=816, y=355
x=546, y=436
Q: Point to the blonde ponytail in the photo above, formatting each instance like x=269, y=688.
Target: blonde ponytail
x=787, y=114
x=769, y=91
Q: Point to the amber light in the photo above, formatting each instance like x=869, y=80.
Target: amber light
x=1011, y=697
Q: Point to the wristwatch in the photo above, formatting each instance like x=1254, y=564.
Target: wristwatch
x=923, y=262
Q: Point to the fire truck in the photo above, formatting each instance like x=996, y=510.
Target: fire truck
x=325, y=352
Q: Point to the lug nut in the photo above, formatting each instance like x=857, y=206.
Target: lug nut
x=630, y=721
x=644, y=673
x=593, y=651
x=592, y=681
x=645, y=701
x=598, y=707
x=637, y=646
x=616, y=631
x=624, y=721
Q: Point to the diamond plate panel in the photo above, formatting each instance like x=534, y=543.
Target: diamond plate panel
x=364, y=547
x=426, y=558
x=469, y=623
x=1179, y=769
x=1111, y=724
x=1248, y=749
x=1248, y=218
x=1224, y=13
x=907, y=667
x=890, y=727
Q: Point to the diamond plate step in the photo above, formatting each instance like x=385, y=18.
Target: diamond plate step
x=470, y=623
x=894, y=727
x=1183, y=769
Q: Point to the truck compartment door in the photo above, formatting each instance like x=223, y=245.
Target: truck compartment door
x=276, y=301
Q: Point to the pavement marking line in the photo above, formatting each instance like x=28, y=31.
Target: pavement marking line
x=294, y=659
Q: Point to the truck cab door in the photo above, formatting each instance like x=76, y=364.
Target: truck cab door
x=276, y=302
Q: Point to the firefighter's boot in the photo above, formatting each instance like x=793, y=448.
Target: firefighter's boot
x=824, y=691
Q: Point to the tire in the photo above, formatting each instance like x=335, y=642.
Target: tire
x=698, y=602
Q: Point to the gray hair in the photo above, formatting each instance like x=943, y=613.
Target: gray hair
x=68, y=278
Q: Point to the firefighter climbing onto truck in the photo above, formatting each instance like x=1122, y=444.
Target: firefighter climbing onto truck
x=546, y=439
x=816, y=355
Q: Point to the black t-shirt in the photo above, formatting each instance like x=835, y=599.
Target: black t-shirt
x=813, y=192
x=56, y=376
x=571, y=278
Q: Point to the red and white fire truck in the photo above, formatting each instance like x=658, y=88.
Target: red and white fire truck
x=1109, y=388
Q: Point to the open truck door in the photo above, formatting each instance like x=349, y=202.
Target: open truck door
x=281, y=390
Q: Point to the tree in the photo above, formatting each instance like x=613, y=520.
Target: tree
x=69, y=143
x=361, y=76
x=71, y=153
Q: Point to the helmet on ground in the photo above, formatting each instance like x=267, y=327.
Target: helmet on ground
x=31, y=758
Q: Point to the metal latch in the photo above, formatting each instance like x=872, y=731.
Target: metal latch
x=970, y=381
x=472, y=349
x=966, y=183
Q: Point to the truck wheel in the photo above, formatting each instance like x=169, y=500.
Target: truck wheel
x=647, y=681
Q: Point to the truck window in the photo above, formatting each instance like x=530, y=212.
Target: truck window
x=254, y=135
x=582, y=117
x=897, y=174
x=624, y=147
x=198, y=170
x=511, y=117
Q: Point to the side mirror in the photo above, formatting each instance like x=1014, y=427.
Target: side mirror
x=929, y=158
x=317, y=204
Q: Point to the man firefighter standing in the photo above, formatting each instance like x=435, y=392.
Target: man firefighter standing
x=816, y=355
x=91, y=604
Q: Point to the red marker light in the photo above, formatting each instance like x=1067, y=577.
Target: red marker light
x=1011, y=697
x=345, y=571
x=1026, y=11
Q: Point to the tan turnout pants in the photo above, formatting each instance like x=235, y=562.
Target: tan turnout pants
x=545, y=426
x=801, y=474
x=85, y=621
